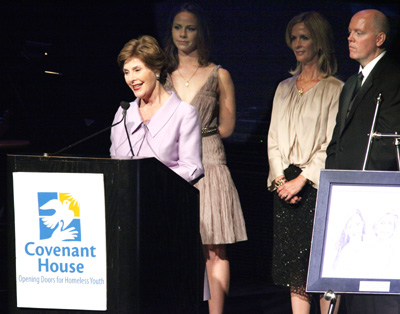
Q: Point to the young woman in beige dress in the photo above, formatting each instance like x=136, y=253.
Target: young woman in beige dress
x=209, y=88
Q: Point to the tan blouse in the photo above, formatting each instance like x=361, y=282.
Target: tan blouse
x=301, y=127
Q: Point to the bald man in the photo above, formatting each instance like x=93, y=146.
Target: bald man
x=368, y=31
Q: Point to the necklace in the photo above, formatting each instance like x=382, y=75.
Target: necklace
x=187, y=81
x=306, y=85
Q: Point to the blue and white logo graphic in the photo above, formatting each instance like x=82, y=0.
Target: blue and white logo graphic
x=59, y=216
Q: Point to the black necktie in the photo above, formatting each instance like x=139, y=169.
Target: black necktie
x=358, y=84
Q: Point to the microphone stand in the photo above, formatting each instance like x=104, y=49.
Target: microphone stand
x=124, y=105
x=373, y=134
x=127, y=135
x=83, y=140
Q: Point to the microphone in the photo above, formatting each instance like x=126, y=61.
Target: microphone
x=124, y=105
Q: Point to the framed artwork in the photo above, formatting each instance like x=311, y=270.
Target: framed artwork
x=356, y=237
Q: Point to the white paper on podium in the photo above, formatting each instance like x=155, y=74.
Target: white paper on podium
x=60, y=240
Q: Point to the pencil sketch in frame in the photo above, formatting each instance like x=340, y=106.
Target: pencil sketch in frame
x=356, y=237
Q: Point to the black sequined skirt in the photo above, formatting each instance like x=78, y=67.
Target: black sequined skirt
x=293, y=226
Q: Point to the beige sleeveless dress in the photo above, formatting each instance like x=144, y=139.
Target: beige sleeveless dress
x=221, y=217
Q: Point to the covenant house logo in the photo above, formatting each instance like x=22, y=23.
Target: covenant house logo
x=59, y=217
x=60, y=228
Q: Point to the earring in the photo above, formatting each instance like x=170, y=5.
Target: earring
x=158, y=76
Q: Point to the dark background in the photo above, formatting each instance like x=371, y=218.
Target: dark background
x=82, y=40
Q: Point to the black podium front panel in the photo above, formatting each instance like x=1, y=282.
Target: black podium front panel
x=152, y=234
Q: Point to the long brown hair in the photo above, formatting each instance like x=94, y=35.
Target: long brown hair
x=203, y=36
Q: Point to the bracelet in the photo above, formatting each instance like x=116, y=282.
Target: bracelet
x=280, y=182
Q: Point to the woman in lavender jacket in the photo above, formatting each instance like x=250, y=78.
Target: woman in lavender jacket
x=160, y=125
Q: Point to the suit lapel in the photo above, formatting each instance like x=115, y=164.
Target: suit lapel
x=358, y=99
x=164, y=114
x=363, y=92
x=346, y=98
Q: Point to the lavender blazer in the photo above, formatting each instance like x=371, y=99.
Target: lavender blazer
x=173, y=136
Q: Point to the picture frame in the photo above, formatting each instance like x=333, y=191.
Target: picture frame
x=356, y=237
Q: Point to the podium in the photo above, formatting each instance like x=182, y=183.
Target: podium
x=153, y=246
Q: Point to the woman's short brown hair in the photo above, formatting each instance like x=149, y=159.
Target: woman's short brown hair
x=147, y=49
x=322, y=36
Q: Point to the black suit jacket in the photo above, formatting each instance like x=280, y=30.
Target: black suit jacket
x=349, y=142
